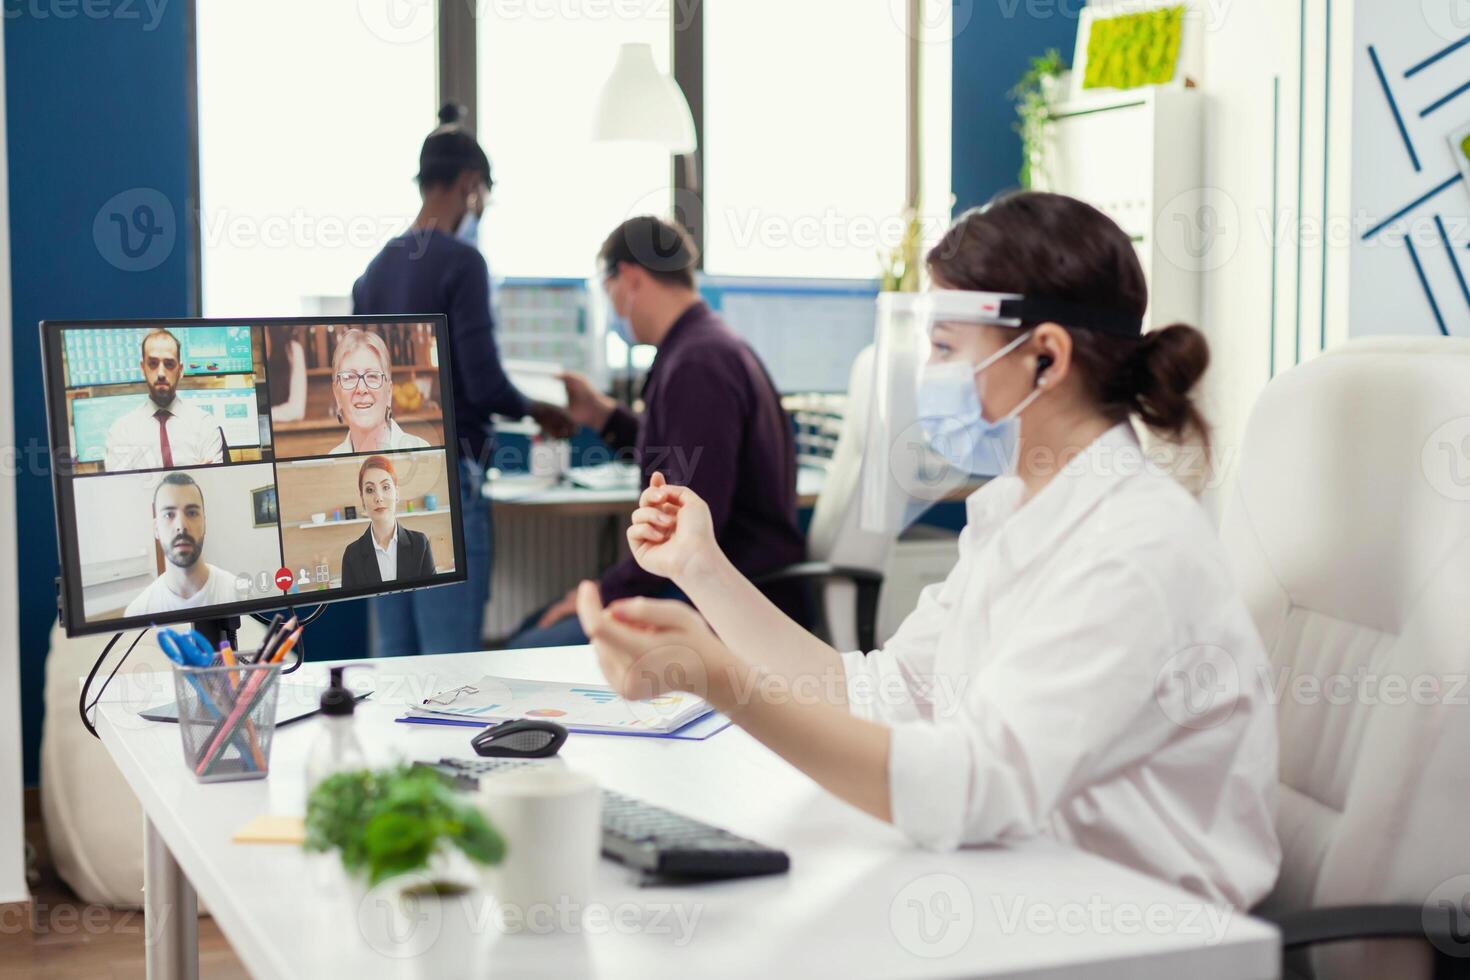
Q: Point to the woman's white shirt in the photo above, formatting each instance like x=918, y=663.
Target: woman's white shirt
x=397, y=439
x=1086, y=671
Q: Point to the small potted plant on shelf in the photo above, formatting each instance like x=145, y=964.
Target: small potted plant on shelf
x=1035, y=96
x=399, y=832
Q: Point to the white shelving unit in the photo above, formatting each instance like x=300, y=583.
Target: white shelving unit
x=363, y=520
x=1138, y=156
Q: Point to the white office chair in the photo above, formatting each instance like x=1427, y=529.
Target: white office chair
x=846, y=561
x=1349, y=530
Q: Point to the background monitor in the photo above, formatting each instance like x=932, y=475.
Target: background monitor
x=243, y=474
x=549, y=321
x=110, y=356
x=806, y=331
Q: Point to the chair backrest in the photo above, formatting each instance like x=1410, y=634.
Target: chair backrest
x=1349, y=529
x=836, y=534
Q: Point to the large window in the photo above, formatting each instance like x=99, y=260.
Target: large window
x=803, y=143
x=804, y=132
x=803, y=135
x=557, y=193
x=310, y=121
x=311, y=116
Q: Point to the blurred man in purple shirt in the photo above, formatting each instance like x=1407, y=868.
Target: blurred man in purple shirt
x=712, y=421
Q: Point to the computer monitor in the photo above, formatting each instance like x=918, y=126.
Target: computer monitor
x=209, y=468
x=548, y=321
x=806, y=331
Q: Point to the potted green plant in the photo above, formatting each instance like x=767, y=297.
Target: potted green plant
x=398, y=831
x=899, y=265
x=1035, y=96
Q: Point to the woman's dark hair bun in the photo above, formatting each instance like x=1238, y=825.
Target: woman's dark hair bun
x=450, y=150
x=1166, y=366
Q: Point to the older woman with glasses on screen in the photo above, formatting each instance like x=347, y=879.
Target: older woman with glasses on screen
x=362, y=384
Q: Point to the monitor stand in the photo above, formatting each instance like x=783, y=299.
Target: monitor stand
x=228, y=628
x=214, y=630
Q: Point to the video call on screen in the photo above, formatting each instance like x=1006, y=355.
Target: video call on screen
x=220, y=464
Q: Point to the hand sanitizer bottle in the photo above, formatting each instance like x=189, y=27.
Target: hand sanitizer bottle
x=336, y=748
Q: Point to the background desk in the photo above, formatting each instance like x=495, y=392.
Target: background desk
x=859, y=901
x=549, y=535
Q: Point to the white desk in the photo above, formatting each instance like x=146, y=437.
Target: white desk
x=859, y=901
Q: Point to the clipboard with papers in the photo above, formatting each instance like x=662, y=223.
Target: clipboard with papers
x=587, y=708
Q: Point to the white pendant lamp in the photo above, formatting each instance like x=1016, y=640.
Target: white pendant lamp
x=638, y=103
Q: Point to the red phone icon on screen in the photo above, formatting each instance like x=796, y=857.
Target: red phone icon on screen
x=284, y=579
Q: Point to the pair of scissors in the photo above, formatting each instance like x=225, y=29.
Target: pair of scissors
x=189, y=649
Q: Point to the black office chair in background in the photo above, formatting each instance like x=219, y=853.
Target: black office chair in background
x=844, y=570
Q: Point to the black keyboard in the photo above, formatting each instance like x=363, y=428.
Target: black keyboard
x=658, y=842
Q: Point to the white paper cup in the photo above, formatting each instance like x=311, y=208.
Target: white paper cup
x=551, y=819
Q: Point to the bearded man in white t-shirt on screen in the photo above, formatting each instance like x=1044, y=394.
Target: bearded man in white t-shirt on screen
x=188, y=582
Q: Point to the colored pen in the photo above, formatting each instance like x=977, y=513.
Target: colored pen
x=227, y=653
x=285, y=648
x=227, y=657
x=269, y=648
x=270, y=631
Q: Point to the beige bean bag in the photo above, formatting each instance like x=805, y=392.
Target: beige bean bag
x=93, y=824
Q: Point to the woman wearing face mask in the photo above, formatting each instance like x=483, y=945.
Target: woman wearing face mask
x=362, y=386
x=436, y=267
x=387, y=551
x=1087, y=671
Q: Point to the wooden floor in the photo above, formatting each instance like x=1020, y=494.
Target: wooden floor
x=67, y=939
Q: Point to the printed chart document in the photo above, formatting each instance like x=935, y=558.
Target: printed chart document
x=588, y=707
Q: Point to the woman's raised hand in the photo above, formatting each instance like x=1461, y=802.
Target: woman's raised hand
x=649, y=647
x=671, y=530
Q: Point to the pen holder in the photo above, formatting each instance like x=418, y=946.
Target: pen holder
x=227, y=717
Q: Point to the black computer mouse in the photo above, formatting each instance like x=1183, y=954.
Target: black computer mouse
x=523, y=738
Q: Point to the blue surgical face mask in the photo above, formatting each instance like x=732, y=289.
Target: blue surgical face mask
x=620, y=327
x=469, y=228
x=618, y=324
x=954, y=422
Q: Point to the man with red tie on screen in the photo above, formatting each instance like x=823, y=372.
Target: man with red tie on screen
x=164, y=431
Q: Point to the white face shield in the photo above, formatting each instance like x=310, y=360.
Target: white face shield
x=903, y=475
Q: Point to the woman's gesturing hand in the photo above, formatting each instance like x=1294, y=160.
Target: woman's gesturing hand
x=649, y=647
x=671, y=529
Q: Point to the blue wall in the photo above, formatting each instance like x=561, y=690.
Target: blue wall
x=993, y=44
x=95, y=107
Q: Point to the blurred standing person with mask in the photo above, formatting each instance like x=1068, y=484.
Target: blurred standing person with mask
x=436, y=267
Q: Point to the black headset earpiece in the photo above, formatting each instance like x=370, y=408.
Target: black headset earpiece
x=1043, y=362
